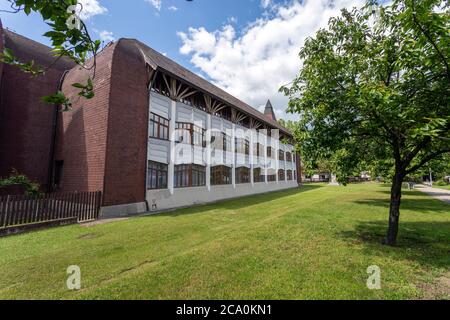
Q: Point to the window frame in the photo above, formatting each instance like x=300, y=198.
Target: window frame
x=281, y=154
x=243, y=175
x=221, y=172
x=159, y=172
x=281, y=175
x=157, y=121
x=184, y=176
x=192, y=130
x=258, y=175
x=289, y=156
x=289, y=175
x=242, y=146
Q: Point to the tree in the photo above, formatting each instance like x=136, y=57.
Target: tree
x=374, y=88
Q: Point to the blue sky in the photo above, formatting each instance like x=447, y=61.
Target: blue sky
x=247, y=47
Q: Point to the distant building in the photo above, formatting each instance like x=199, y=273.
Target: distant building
x=155, y=136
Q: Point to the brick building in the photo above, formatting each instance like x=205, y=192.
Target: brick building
x=155, y=136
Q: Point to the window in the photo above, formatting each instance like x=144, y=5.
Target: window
x=281, y=175
x=189, y=175
x=281, y=155
x=289, y=175
x=288, y=156
x=242, y=175
x=157, y=175
x=270, y=152
x=242, y=146
x=258, y=150
x=257, y=175
x=159, y=127
x=198, y=136
x=189, y=133
x=220, y=175
x=271, y=177
x=226, y=146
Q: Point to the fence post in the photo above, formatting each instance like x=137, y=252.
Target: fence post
x=6, y=212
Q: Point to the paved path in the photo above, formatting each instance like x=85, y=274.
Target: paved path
x=441, y=194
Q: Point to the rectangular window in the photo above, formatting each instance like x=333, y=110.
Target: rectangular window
x=289, y=175
x=258, y=150
x=270, y=152
x=242, y=175
x=242, y=146
x=157, y=175
x=226, y=146
x=189, y=175
x=271, y=178
x=288, y=156
x=281, y=155
x=189, y=133
x=158, y=127
x=220, y=175
x=258, y=175
x=281, y=175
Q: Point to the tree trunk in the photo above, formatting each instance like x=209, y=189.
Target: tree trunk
x=394, y=210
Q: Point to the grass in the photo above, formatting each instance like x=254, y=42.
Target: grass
x=313, y=243
x=447, y=187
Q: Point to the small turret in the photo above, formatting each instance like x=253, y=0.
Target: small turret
x=268, y=111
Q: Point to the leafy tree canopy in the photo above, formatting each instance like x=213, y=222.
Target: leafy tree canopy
x=374, y=88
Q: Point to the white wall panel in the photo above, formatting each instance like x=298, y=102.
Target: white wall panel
x=158, y=150
x=160, y=105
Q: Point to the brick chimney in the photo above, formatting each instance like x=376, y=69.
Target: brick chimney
x=268, y=111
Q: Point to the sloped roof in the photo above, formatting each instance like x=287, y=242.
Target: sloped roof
x=157, y=60
x=35, y=50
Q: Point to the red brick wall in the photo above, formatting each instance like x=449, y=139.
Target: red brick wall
x=103, y=141
x=25, y=121
x=82, y=132
x=127, y=128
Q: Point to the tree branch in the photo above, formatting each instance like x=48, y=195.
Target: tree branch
x=430, y=39
x=427, y=159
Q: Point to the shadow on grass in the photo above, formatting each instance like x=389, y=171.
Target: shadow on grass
x=242, y=202
x=427, y=243
x=418, y=205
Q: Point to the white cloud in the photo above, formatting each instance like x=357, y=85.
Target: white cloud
x=265, y=3
x=232, y=20
x=172, y=8
x=253, y=64
x=90, y=8
x=106, y=36
x=155, y=3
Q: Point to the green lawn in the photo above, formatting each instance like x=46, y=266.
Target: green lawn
x=314, y=243
x=442, y=187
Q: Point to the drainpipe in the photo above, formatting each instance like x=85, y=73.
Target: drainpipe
x=53, y=137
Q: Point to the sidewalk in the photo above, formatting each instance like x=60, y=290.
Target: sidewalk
x=441, y=194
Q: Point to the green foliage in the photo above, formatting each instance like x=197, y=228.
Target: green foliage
x=374, y=89
x=32, y=188
x=8, y=57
